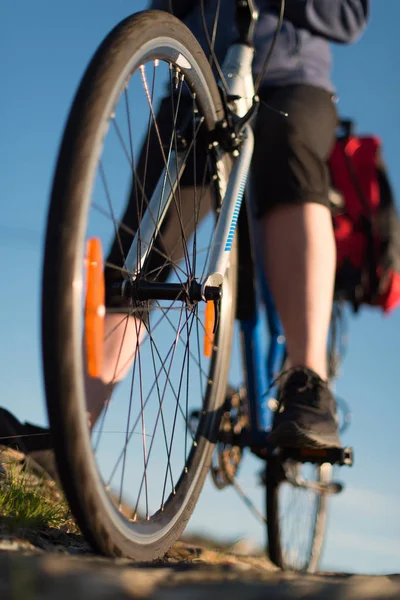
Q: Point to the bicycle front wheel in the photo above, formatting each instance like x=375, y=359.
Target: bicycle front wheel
x=141, y=120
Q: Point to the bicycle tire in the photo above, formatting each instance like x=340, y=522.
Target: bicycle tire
x=154, y=36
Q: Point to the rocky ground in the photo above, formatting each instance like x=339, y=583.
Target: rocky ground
x=34, y=575
x=45, y=562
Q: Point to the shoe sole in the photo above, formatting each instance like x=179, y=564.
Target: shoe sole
x=290, y=435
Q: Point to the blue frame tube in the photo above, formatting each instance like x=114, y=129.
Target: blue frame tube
x=276, y=349
x=253, y=349
x=262, y=365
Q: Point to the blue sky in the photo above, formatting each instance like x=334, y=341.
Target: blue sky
x=45, y=47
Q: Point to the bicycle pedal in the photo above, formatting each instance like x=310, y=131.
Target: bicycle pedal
x=334, y=456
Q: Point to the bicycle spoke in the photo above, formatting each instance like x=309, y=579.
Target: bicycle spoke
x=128, y=117
x=178, y=205
x=196, y=208
x=105, y=408
x=169, y=381
x=187, y=400
x=153, y=346
x=197, y=360
x=174, y=423
x=144, y=200
x=129, y=415
x=148, y=397
x=163, y=395
x=143, y=424
x=148, y=95
x=103, y=177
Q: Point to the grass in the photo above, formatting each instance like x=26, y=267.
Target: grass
x=27, y=501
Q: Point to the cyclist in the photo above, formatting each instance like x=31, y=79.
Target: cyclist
x=291, y=198
x=291, y=206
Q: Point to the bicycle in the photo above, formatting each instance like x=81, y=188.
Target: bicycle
x=189, y=286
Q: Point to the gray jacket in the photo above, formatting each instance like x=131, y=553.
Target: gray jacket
x=302, y=53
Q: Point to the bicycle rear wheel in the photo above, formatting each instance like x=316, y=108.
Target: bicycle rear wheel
x=296, y=516
x=133, y=480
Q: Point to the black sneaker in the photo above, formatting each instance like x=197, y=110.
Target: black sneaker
x=306, y=416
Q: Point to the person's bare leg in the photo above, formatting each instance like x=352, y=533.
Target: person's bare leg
x=300, y=257
x=122, y=336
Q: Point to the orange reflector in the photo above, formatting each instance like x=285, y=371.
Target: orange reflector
x=208, y=329
x=94, y=307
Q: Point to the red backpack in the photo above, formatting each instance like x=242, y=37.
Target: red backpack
x=366, y=225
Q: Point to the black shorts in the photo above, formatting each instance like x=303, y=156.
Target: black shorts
x=290, y=156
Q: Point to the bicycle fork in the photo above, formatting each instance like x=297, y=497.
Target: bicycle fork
x=232, y=194
x=237, y=68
